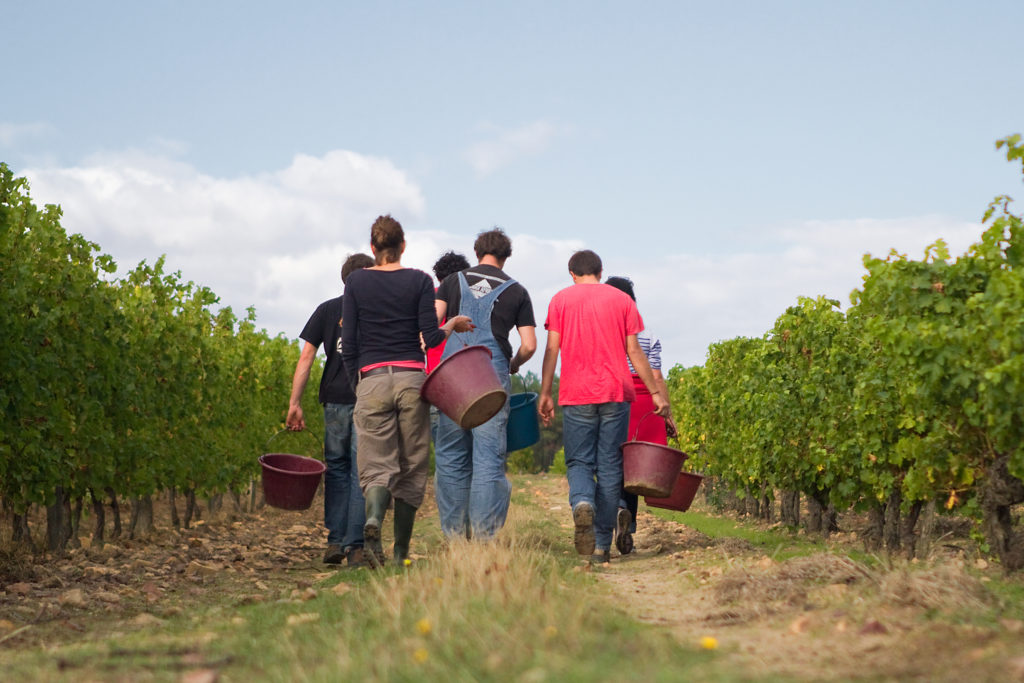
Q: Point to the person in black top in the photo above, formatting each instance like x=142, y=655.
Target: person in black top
x=472, y=490
x=388, y=310
x=343, y=500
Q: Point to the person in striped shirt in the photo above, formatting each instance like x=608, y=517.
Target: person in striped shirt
x=642, y=425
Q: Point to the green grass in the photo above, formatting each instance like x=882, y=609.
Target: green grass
x=516, y=609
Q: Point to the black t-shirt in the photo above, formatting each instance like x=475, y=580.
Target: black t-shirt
x=324, y=328
x=513, y=307
x=385, y=312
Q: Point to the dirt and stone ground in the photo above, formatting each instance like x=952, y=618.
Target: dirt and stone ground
x=812, y=616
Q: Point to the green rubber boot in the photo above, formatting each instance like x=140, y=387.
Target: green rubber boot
x=377, y=499
x=405, y=516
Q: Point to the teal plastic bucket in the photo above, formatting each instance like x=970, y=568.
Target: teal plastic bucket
x=523, y=428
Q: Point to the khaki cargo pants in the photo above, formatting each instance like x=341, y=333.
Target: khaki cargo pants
x=393, y=432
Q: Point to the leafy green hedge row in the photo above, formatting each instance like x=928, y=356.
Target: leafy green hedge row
x=914, y=394
x=133, y=384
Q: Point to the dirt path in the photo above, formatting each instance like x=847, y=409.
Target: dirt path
x=820, y=616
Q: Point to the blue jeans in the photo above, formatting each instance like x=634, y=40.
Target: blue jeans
x=344, y=507
x=471, y=488
x=593, y=436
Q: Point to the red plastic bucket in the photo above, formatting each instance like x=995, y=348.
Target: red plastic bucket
x=682, y=493
x=650, y=469
x=465, y=387
x=290, y=481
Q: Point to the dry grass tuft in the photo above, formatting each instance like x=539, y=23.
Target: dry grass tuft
x=787, y=581
x=16, y=564
x=943, y=586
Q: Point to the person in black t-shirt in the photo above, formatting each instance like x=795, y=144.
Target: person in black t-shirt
x=472, y=490
x=343, y=500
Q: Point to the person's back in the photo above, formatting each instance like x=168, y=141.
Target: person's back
x=594, y=321
x=473, y=492
x=388, y=309
x=593, y=327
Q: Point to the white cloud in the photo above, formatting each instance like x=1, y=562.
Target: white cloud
x=277, y=241
x=274, y=240
x=10, y=133
x=691, y=301
x=508, y=145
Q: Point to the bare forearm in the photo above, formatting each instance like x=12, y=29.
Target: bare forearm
x=299, y=380
x=548, y=370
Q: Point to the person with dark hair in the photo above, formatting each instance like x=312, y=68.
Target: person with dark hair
x=641, y=426
x=472, y=491
x=594, y=327
x=449, y=262
x=343, y=501
x=388, y=312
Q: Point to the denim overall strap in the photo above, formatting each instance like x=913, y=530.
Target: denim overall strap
x=479, y=310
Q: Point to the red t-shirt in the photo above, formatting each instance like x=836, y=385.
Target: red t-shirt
x=434, y=353
x=593, y=321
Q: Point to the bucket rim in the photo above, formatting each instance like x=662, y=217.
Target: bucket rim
x=637, y=442
x=440, y=365
x=268, y=466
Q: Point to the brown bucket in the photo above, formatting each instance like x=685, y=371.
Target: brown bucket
x=682, y=493
x=465, y=387
x=650, y=469
x=290, y=481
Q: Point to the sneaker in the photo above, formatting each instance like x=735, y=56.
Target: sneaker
x=601, y=557
x=334, y=554
x=583, y=518
x=355, y=557
x=623, y=539
x=373, y=551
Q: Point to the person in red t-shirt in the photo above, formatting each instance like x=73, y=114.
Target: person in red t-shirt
x=594, y=327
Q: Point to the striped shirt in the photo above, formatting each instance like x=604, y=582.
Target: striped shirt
x=651, y=347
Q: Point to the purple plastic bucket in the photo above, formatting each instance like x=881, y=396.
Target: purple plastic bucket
x=290, y=481
x=465, y=387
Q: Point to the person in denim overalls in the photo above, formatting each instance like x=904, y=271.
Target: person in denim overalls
x=472, y=491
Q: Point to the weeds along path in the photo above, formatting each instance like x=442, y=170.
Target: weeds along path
x=806, y=611
x=247, y=597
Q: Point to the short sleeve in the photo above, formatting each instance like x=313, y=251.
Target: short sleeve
x=554, y=319
x=313, y=331
x=634, y=323
x=654, y=357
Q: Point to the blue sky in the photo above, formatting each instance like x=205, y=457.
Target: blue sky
x=728, y=156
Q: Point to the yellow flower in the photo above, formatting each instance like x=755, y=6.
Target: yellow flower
x=423, y=626
x=421, y=655
x=407, y=562
x=709, y=643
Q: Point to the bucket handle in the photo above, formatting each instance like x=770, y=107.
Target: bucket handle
x=636, y=433
x=319, y=443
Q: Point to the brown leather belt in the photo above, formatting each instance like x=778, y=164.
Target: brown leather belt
x=363, y=374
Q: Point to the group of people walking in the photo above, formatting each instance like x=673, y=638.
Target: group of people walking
x=390, y=327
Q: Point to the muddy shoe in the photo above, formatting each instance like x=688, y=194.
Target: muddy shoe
x=601, y=557
x=623, y=539
x=355, y=557
x=583, y=518
x=373, y=551
x=334, y=554
x=377, y=500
